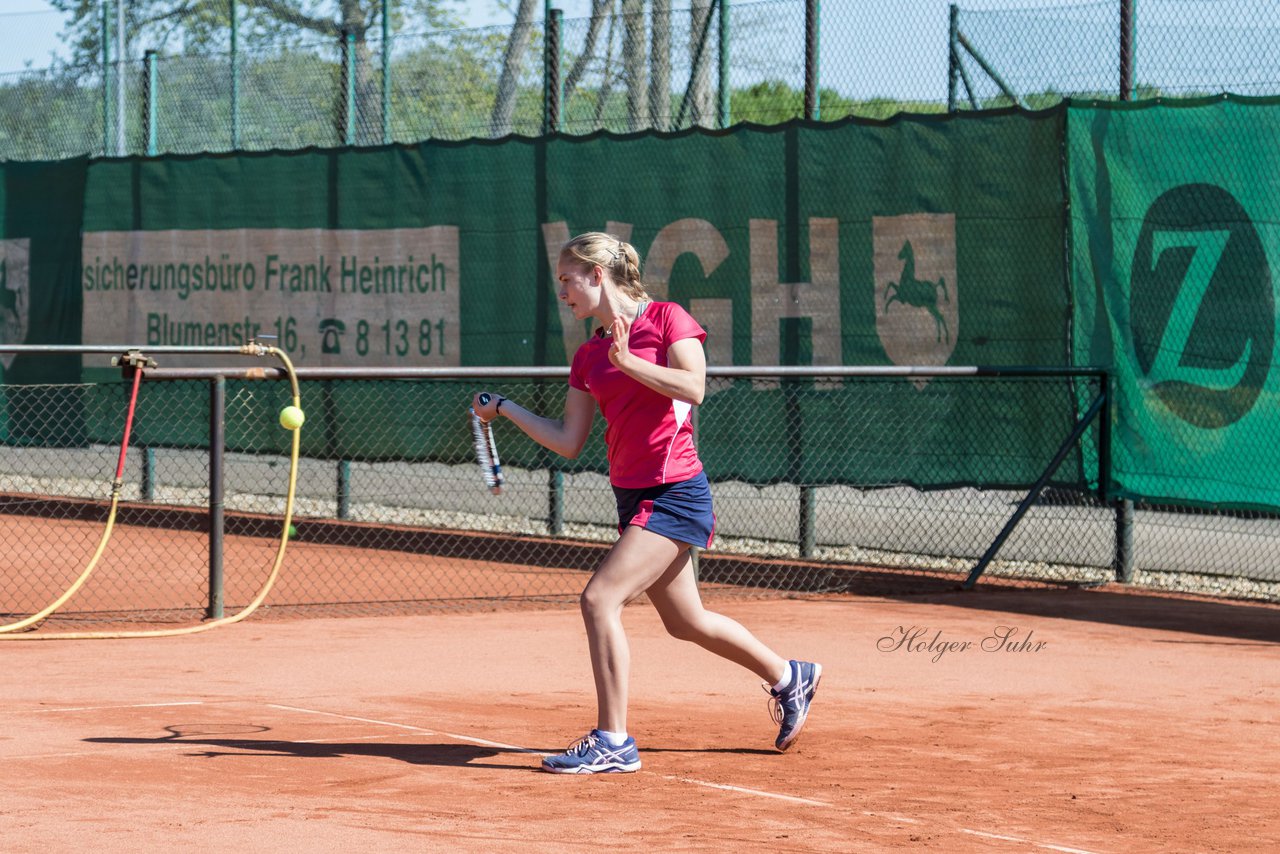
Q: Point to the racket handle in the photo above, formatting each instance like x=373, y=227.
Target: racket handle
x=484, y=398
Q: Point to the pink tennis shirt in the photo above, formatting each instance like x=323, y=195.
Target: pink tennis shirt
x=649, y=435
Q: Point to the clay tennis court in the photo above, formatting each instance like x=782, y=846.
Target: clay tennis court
x=1120, y=723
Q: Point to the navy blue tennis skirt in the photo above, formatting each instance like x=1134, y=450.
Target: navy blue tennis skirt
x=679, y=511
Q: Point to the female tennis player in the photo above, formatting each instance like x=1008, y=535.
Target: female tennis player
x=645, y=369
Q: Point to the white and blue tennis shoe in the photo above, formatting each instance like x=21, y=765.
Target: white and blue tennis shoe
x=790, y=706
x=592, y=754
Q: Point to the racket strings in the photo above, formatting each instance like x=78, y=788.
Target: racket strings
x=487, y=454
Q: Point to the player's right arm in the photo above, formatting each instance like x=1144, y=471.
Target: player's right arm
x=565, y=436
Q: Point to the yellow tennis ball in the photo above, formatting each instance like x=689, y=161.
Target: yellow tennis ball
x=291, y=418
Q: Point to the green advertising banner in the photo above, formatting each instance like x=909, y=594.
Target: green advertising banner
x=41, y=205
x=920, y=241
x=1175, y=217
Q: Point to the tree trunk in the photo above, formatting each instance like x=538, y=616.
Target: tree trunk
x=600, y=9
x=606, y=76
x=505, y=104
x=352, y=21
x=700, y=104
x=660, y=67
x=633, y=63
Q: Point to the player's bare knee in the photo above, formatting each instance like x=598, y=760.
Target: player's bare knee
x=595, y=604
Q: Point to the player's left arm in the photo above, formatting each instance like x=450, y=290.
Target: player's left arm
x=683, y=378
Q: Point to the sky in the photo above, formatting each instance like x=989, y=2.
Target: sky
x=29, y=28
x=870, y=48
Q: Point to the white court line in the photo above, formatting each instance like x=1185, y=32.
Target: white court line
x=380, y=737
x=351, y=718
x=1019, y=839
x=454, y=736
x=758, y=792
x=992, y=835
x=104, y=708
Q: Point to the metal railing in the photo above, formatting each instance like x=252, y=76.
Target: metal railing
x=800, y=460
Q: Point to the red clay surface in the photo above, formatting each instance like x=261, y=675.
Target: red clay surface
x=1141, y=724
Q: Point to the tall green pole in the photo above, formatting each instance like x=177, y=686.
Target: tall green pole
x=235, y=76
x=552, y=84
x=724, y=63
x=1128, y=10
x=812, y=57
x=386, y=72
x=153, y=94
x=953, y=56
x=106, y=78
x=349, y=46
x=122, y=145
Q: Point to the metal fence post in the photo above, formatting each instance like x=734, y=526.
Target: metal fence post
x=148, y=474
x=152, y=95
x=1124, y=540
x=1126, y=48
x=235, y=75
x=724, y=64
x=553, y=91
x=344, y=489
x=349, y=81
x=121, y=143
x=555, y=503
x=808, y=536
x=812, y=56
x=217, y=492
x=953, y=57
x=106, y=77
x=386, y=73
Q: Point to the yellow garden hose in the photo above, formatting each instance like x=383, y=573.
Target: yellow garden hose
x=111, y=520
x=249, y=349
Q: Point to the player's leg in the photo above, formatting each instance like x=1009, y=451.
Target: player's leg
x=675, y=596
x=633, y=564
x=792, y=684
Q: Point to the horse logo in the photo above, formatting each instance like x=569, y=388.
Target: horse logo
x=917, y=314
x=909, y=290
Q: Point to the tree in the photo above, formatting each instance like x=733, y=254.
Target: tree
x=204, y=26
x=700, y=101
x=600, y=10
x=660, y=66
x=505, y=102
x=633, y=63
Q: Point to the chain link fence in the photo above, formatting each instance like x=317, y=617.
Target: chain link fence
x=1129, y=49
x=820, y=484
x=699, y=63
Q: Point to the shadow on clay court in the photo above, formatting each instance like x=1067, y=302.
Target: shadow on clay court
x=741, y=751
x=1110, y=603
x=209, y=742
x=447, y=755
x=1238, y=621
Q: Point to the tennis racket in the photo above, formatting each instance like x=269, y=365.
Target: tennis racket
x=486, y=450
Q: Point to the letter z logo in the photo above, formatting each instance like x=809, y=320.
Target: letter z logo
x=1201, y=305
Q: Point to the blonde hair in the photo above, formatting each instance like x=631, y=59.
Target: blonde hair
x=615, y=256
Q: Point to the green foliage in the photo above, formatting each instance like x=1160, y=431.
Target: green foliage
x=183, y=26
x=773, y=102
x=291, y=84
